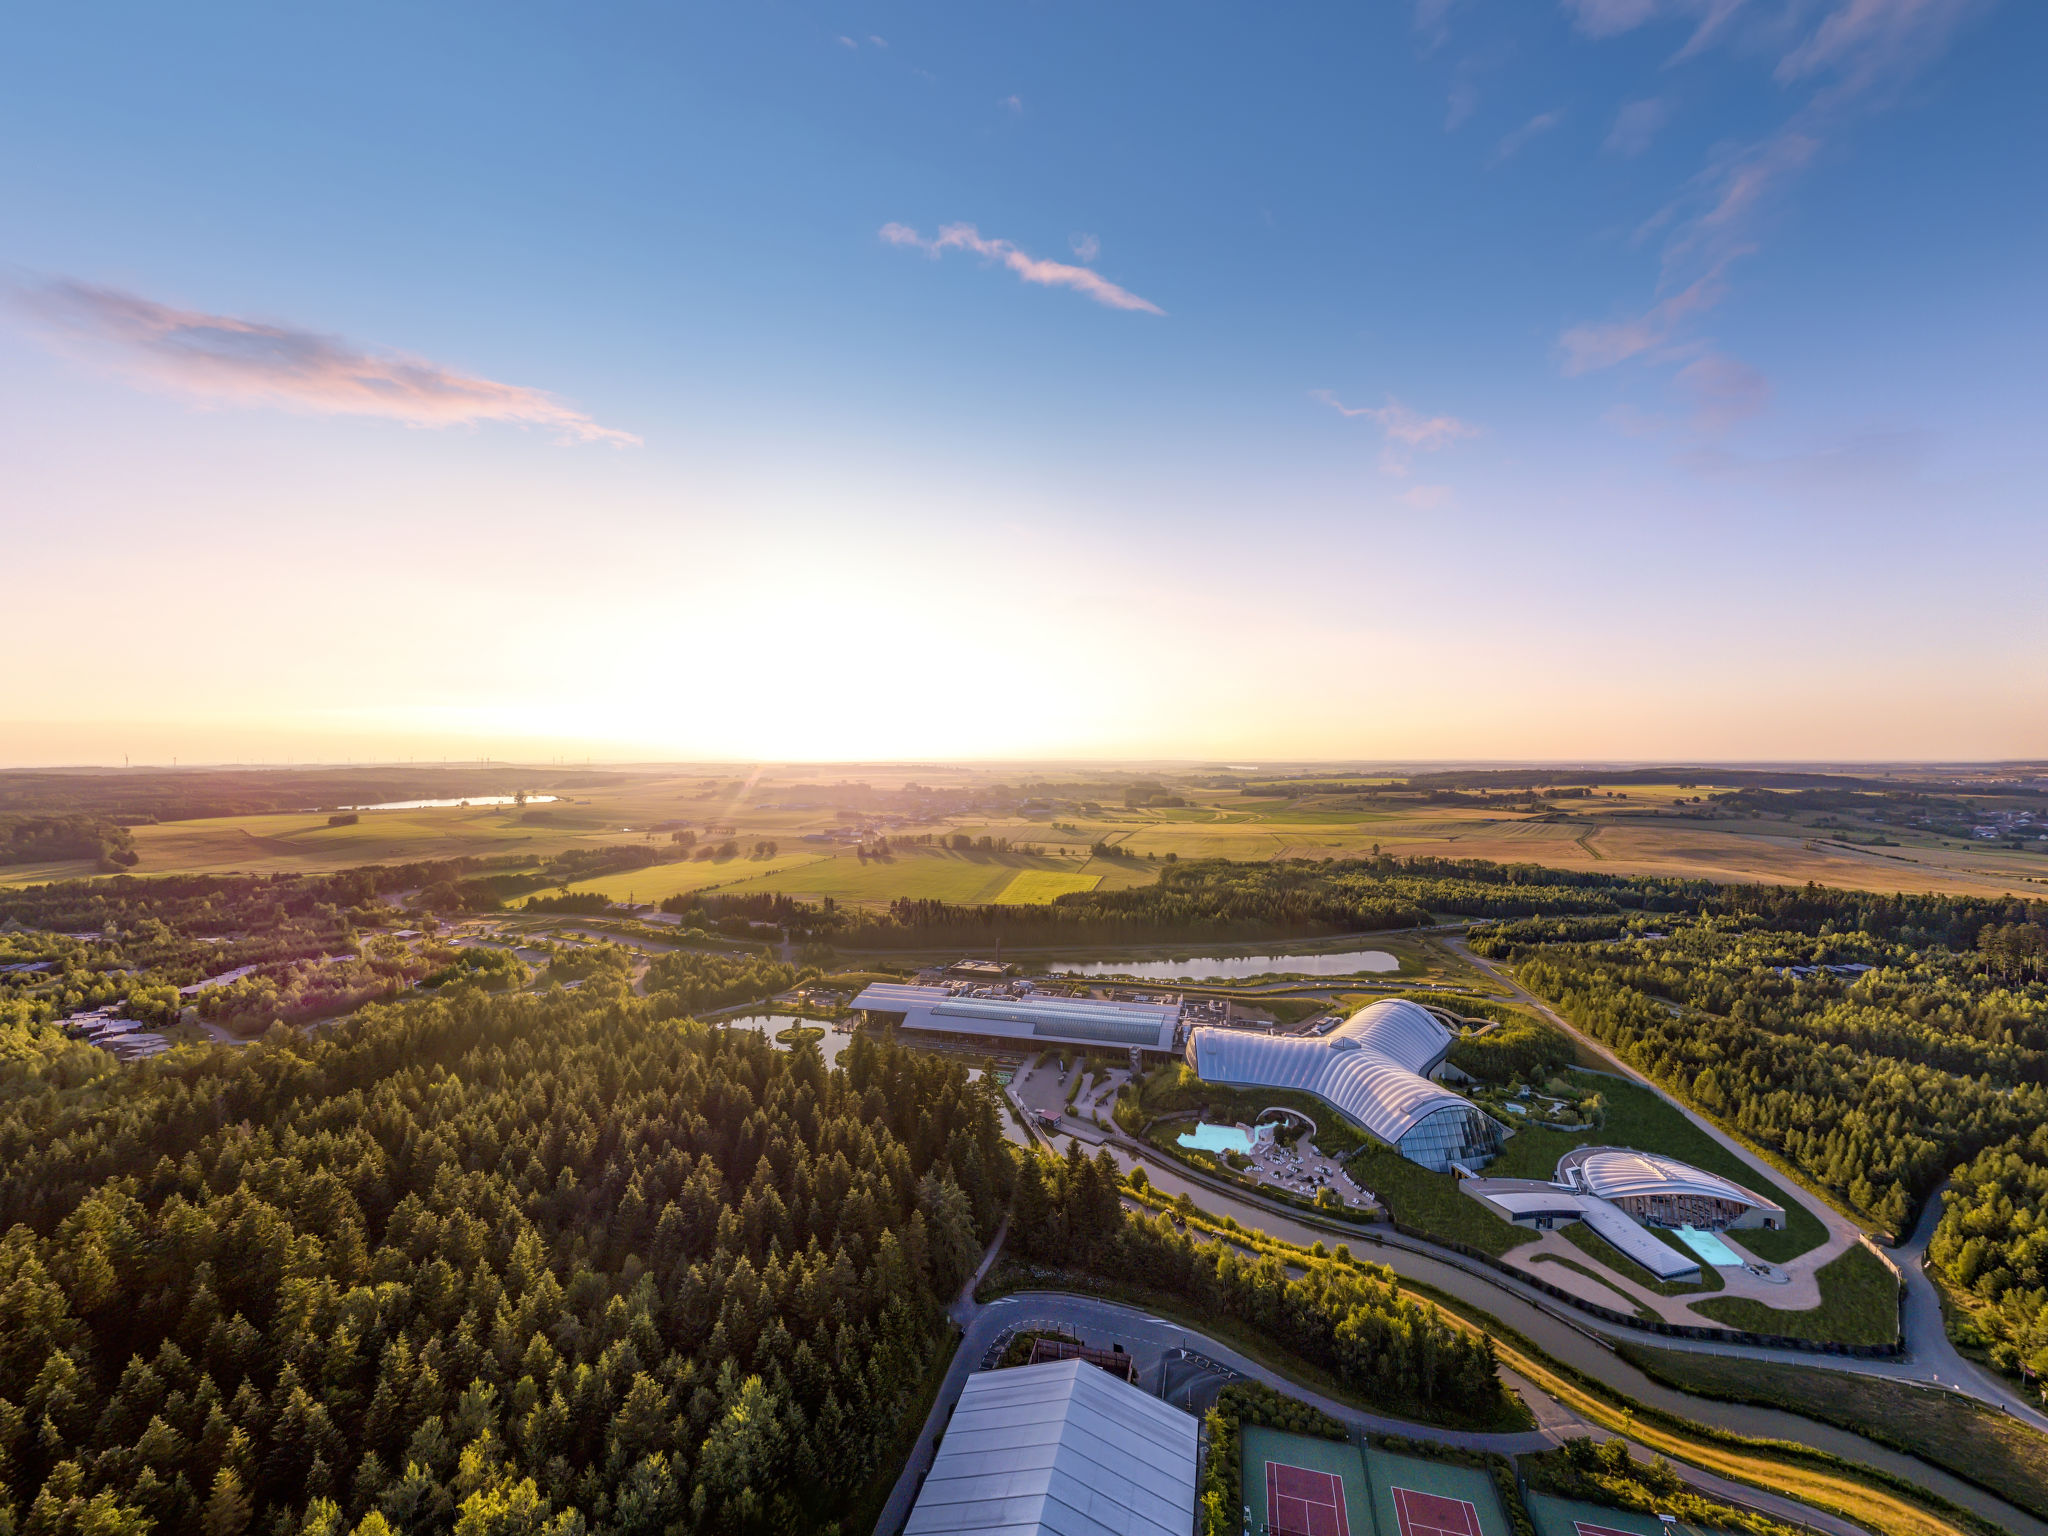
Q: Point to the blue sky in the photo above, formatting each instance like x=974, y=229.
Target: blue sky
x=1618, y=378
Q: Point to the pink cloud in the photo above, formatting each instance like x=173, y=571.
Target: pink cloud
x=224, y=359
x=1031, y=269
x=1588, y=348
x=1408, y=432
x=1724, y=391
x=1410, y=428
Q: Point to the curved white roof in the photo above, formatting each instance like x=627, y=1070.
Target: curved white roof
x=1370, y=1067
x=1619, y=1173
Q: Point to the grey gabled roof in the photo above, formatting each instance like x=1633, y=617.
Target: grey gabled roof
x=1064, y=1449
x=1055, y=1020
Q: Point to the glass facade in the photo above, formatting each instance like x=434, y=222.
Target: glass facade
x=1456, y=1133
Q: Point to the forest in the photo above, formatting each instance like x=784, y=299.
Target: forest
x=498, y=1264
x=36, y=839
x=1223, y=899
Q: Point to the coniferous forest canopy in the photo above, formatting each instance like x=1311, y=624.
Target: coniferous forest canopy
x=506, y=1263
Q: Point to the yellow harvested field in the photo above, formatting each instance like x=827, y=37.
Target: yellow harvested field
x=1036, y=887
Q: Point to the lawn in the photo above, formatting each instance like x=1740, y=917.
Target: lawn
x=1858, y=1304
x=1968, y=1438
x=1040, y=887
x=1638, y=1117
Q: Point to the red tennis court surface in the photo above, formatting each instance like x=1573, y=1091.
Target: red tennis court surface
x=1304, y=1503
x=1598, y=1530
x=1431, y=1514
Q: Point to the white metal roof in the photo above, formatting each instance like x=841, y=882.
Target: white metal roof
x=1062, y=1448
x=1371, y=1067
x=1638, y=1243
x=1619, y=1173
x=1084, y=1021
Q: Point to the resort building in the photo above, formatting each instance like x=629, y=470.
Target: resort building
x=1663, y=1192
x=1059, y=1449
x=1374, y=1070
x=993, y=1016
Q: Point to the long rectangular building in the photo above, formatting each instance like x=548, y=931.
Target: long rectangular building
x=1026, y=1021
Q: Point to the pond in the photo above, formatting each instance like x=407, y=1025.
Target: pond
x=435, y=805
x=1217, y=1138
x=1343, y=962
x=773, y=1024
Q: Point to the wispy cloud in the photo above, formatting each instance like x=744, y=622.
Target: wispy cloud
x=1588, y=348
x=847, y=42
x=1407, y=431
x=226, y=359
x=1432, y=23
x=1724, y=391
x=1085, y=246
x=1428, y=498
x=1014, y=103
x=1609, y=18
x=1636, y=124
x=1031, y=269
x=1848, y=54
x=1513, y=142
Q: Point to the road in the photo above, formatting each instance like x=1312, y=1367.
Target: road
x=1930, y=1356
x=1154, y=1341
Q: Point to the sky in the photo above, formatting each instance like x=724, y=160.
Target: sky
x=1391, y=380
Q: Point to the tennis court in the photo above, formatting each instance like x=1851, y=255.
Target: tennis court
x=1431, y=1514
x=1412, y=1496
x=1301, y=1502
x=1298, y=1485
x=1574, y=1517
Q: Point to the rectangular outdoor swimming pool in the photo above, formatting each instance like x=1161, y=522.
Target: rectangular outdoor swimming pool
x=1708, y=1245
x=1217, y=1138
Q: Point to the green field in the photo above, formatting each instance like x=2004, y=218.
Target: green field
x=939, y=874
x=1036, y=887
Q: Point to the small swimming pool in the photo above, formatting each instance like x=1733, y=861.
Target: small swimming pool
x=1217, y=1138
x=1708, y=1245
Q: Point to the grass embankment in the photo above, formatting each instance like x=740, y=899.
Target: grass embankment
x=1956, y=1433
x=1859, y=1304
x=1432, y=1204
x=1596, y=1247
x=1639, y=1117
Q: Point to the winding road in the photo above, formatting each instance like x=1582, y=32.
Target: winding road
x=1155, y=1342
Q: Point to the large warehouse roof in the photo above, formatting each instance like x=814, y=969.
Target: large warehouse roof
x=1063, y=1449
x=1372, y=1067
x=1619, y=1173
x=1051, y=1020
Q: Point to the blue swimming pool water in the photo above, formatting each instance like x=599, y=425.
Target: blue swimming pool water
x=1216, y=1138
x=1708, y=1245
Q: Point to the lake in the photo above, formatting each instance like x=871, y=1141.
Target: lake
x=1343, y=962
x=435, y=805
x=772, y=1024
